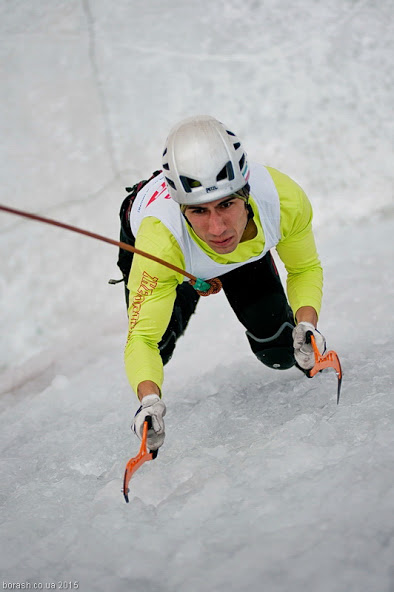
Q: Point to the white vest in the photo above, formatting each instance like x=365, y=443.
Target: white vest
x=154, y=200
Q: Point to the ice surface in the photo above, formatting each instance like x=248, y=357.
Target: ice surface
x=263, y=481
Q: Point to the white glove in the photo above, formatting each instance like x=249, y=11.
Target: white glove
x=151, y=405
x=303, y=351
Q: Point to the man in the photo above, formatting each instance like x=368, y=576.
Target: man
x=212, y=214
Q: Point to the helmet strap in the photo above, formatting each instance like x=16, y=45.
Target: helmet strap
x=184, y=215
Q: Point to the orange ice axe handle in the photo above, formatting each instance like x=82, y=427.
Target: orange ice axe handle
x=135, y=462
x=328, y=360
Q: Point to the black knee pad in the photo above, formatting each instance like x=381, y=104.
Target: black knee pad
x=279, y=358
x=276, y=351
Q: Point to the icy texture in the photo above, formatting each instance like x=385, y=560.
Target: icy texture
x=263, y=482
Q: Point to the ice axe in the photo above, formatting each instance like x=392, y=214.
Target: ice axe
x=138, y=460
x=328, y=360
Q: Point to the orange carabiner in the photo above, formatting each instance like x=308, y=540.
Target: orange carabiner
x=328, y=360
x=138, y=460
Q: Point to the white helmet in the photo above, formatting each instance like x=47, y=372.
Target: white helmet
x=203, y=161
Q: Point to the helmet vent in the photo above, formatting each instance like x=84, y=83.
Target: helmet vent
x=230, y=133
x=242, y=162
x=166, y=166
x=171, y=183
x=237, y=145
x=227, y=172
x=222, y=175
x=165, y=151
x=189, y=184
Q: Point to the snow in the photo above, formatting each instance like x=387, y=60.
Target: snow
x=263, y=481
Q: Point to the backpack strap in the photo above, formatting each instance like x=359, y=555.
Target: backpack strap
x=125, y=258
x=127, y=204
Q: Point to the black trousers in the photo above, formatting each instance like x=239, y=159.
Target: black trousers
x=256, y=295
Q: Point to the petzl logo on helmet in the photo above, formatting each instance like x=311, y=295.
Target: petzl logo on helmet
x=209, y=189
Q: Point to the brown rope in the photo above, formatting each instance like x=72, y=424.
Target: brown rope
x=111, y=241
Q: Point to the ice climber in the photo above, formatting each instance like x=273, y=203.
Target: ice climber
x=212, y=213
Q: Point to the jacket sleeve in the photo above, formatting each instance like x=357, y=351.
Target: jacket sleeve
x=152, y=295
x=297, y=248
